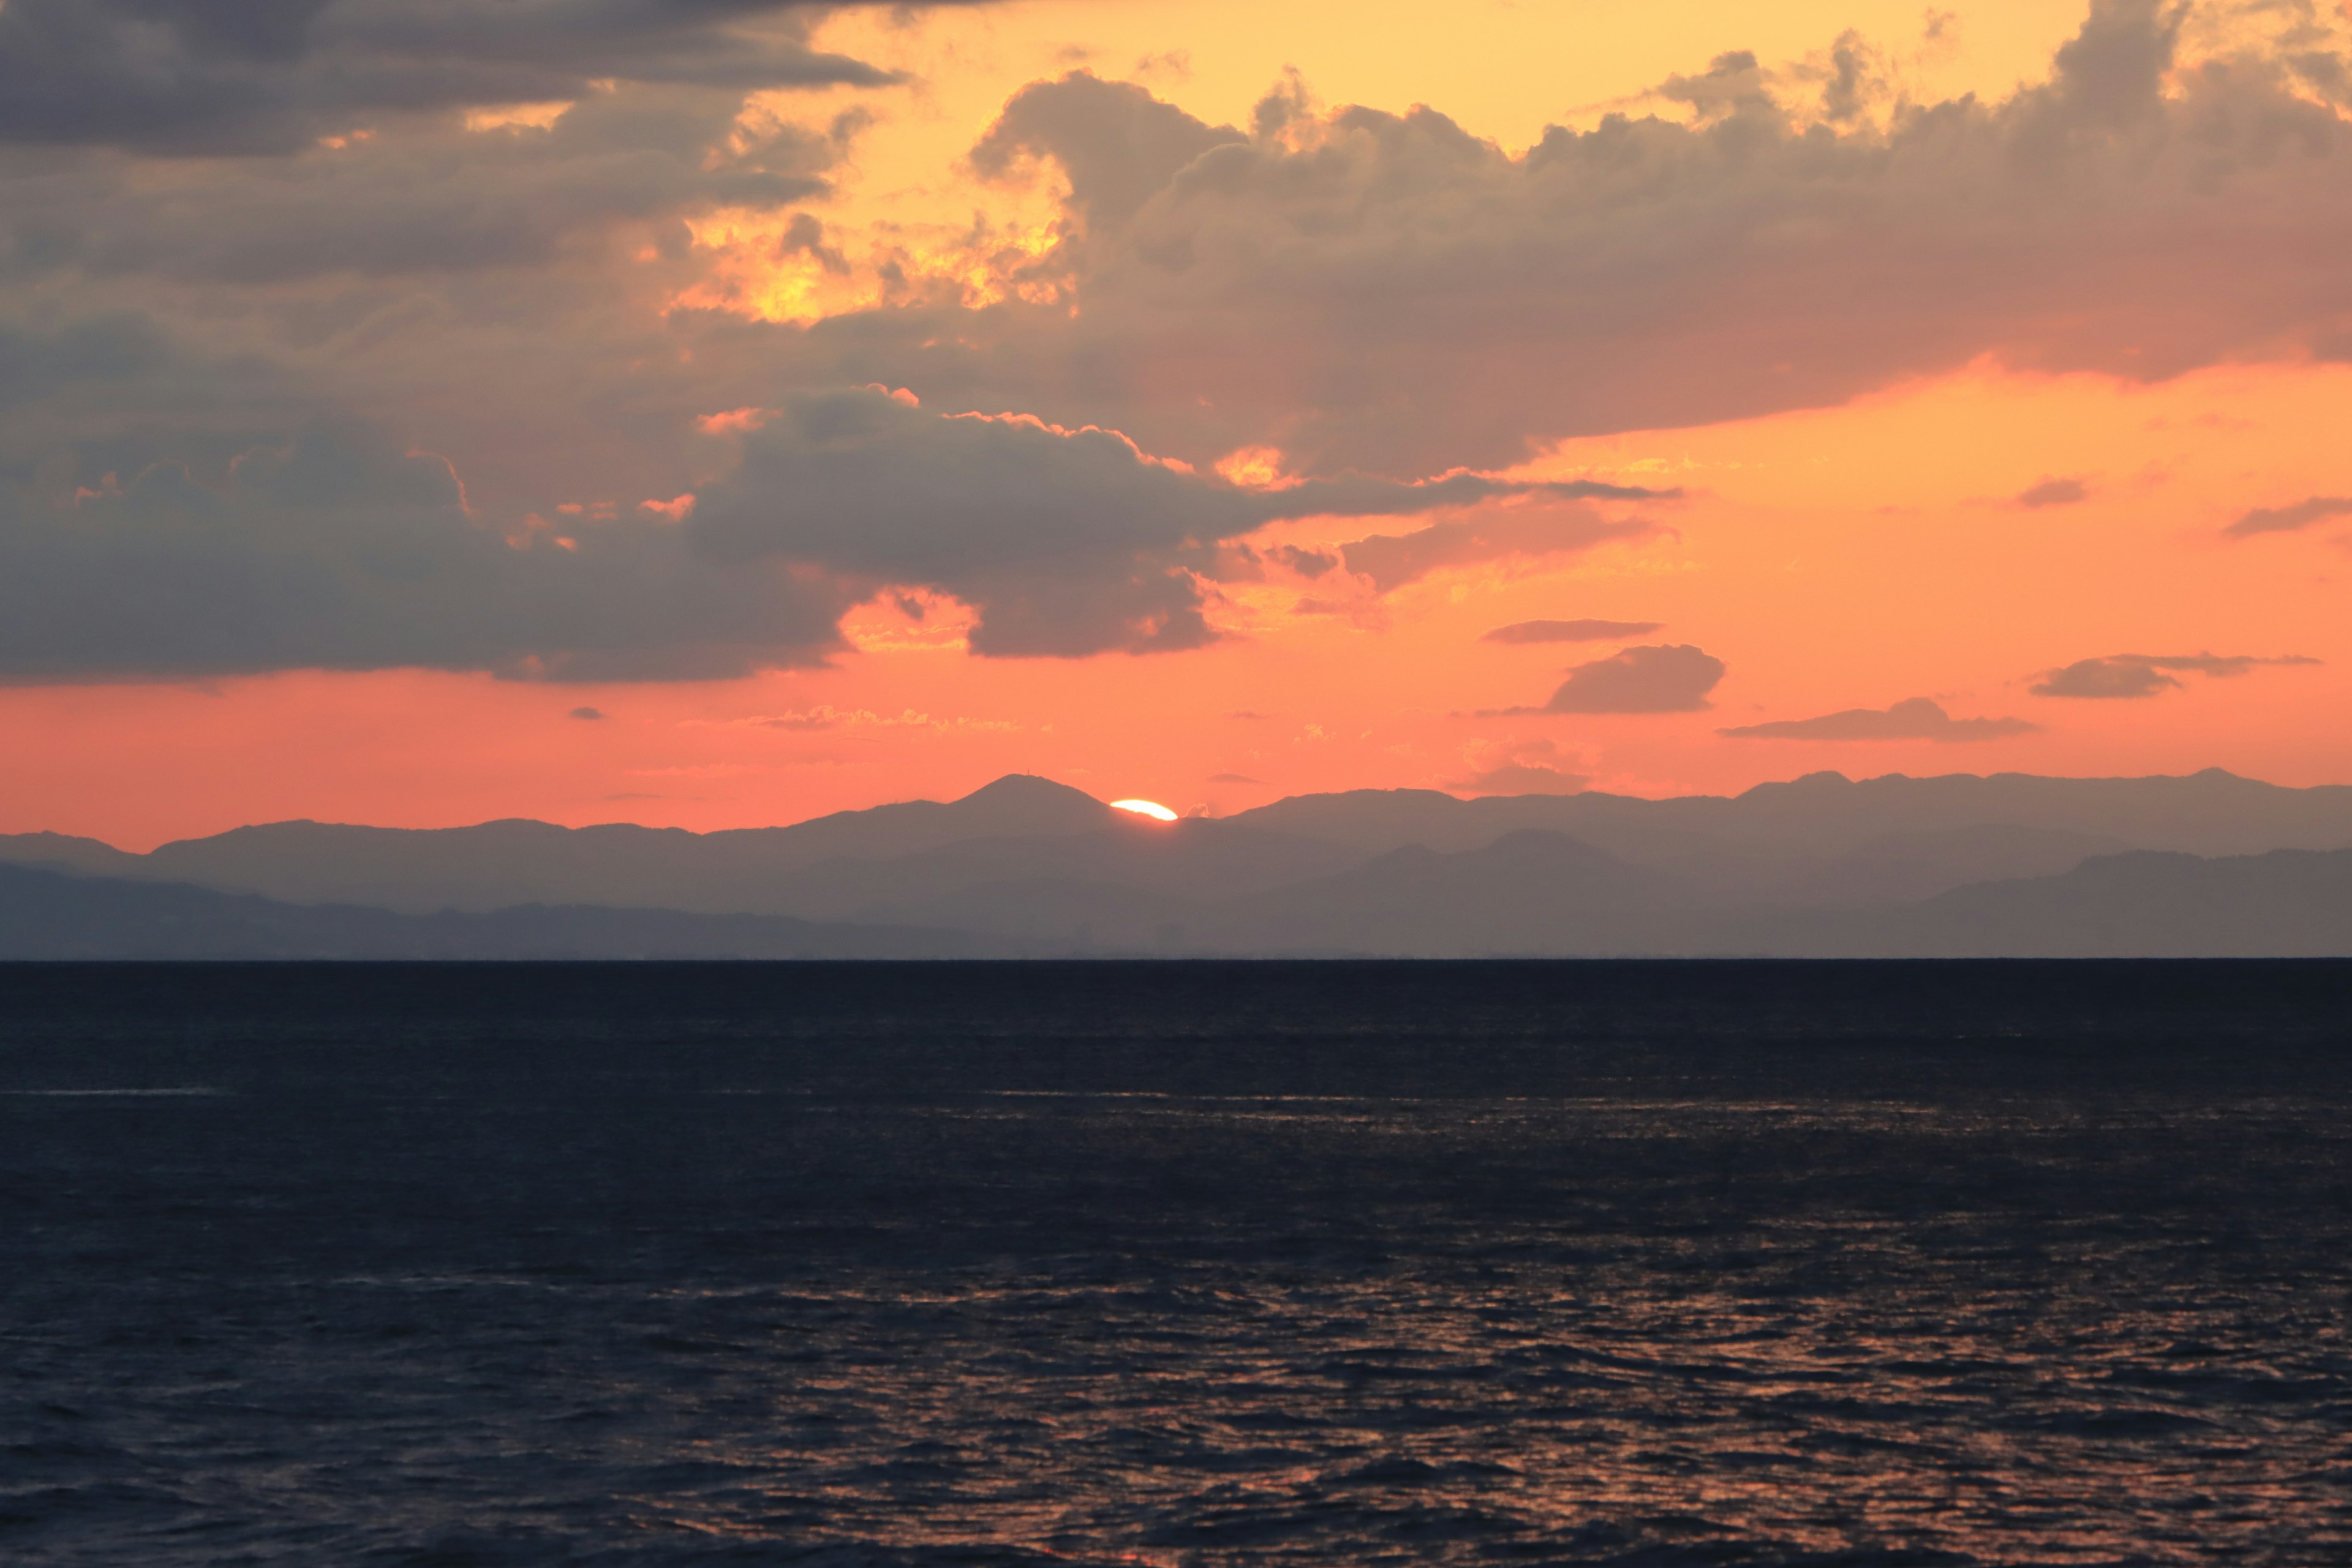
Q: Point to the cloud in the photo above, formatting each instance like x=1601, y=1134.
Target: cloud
x=2286, y=519
x=1518, y=767
x=337, y=551
x=203, y=260
x=1117, y=145
x=1392, y=561
x=2053, y=492
x=1067, y=543
x=1570, y=631
x=180, y=77
x=1306, y=563
x=1648, y=679
x=2130, y=675
x=1399, y=296
x=1914, y=718
x=591, y=714
x=438, y=199
x=1235, y=779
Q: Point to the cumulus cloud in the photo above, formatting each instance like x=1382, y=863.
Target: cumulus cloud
x=1570, y=631
x=1398, y=295
x=2130, y=675
x=179, y=77
x=1518, y=767
x=1649, y=679
x=2287, y=519
x=2053, y=492
x=1914, y=718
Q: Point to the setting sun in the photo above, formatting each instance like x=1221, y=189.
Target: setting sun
x=1150, y=808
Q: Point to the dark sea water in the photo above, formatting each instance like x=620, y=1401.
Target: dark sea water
x=1218, y=1264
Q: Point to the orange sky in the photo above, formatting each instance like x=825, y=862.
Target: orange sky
x=1846, y=557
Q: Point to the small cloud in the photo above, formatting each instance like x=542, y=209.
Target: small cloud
x=1673, y=679
x=1235, y=779
x=1571, y=631
x=1175, y=65
x=1244, y=713
x=587, y=714
x=2130, y=675
x=2053, y=492
x=1914, y=718
x=2287, y=519
x=1306, y=563
x=1518, y=767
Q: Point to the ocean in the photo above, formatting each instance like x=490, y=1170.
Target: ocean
x=1217, y=1264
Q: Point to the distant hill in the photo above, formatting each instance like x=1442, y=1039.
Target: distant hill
x=2289, y=903
x=2209, y=813
x=59, y=915
x=495, y=864
x=1530, y=894
x=1823, y=865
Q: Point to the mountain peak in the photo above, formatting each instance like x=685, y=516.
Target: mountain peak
x=1025, y=787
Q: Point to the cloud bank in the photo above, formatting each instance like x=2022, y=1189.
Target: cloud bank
x=249, y=245
x=1397, y=295
x=180, y=77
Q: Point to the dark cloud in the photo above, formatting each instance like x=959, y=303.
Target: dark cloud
x=2053, y=492
x=2129, y=675
x=182, y=76
x=1570, y=631
x=1306, y=563
x=587, y=714
x=1650, y=679
x=1914, y=718
x=338, y=551
x=1068, y=542
x=2286, y=519
x=441, y=199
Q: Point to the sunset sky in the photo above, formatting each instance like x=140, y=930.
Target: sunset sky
x=714, y=413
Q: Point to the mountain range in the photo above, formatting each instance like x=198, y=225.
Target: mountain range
x=1821, y=866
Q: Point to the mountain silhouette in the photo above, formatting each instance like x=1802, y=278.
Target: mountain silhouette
x=1819, y=866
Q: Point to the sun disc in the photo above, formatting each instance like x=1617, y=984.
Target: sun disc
x=1150, y=808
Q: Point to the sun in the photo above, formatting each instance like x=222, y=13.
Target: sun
x=1150, y=808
